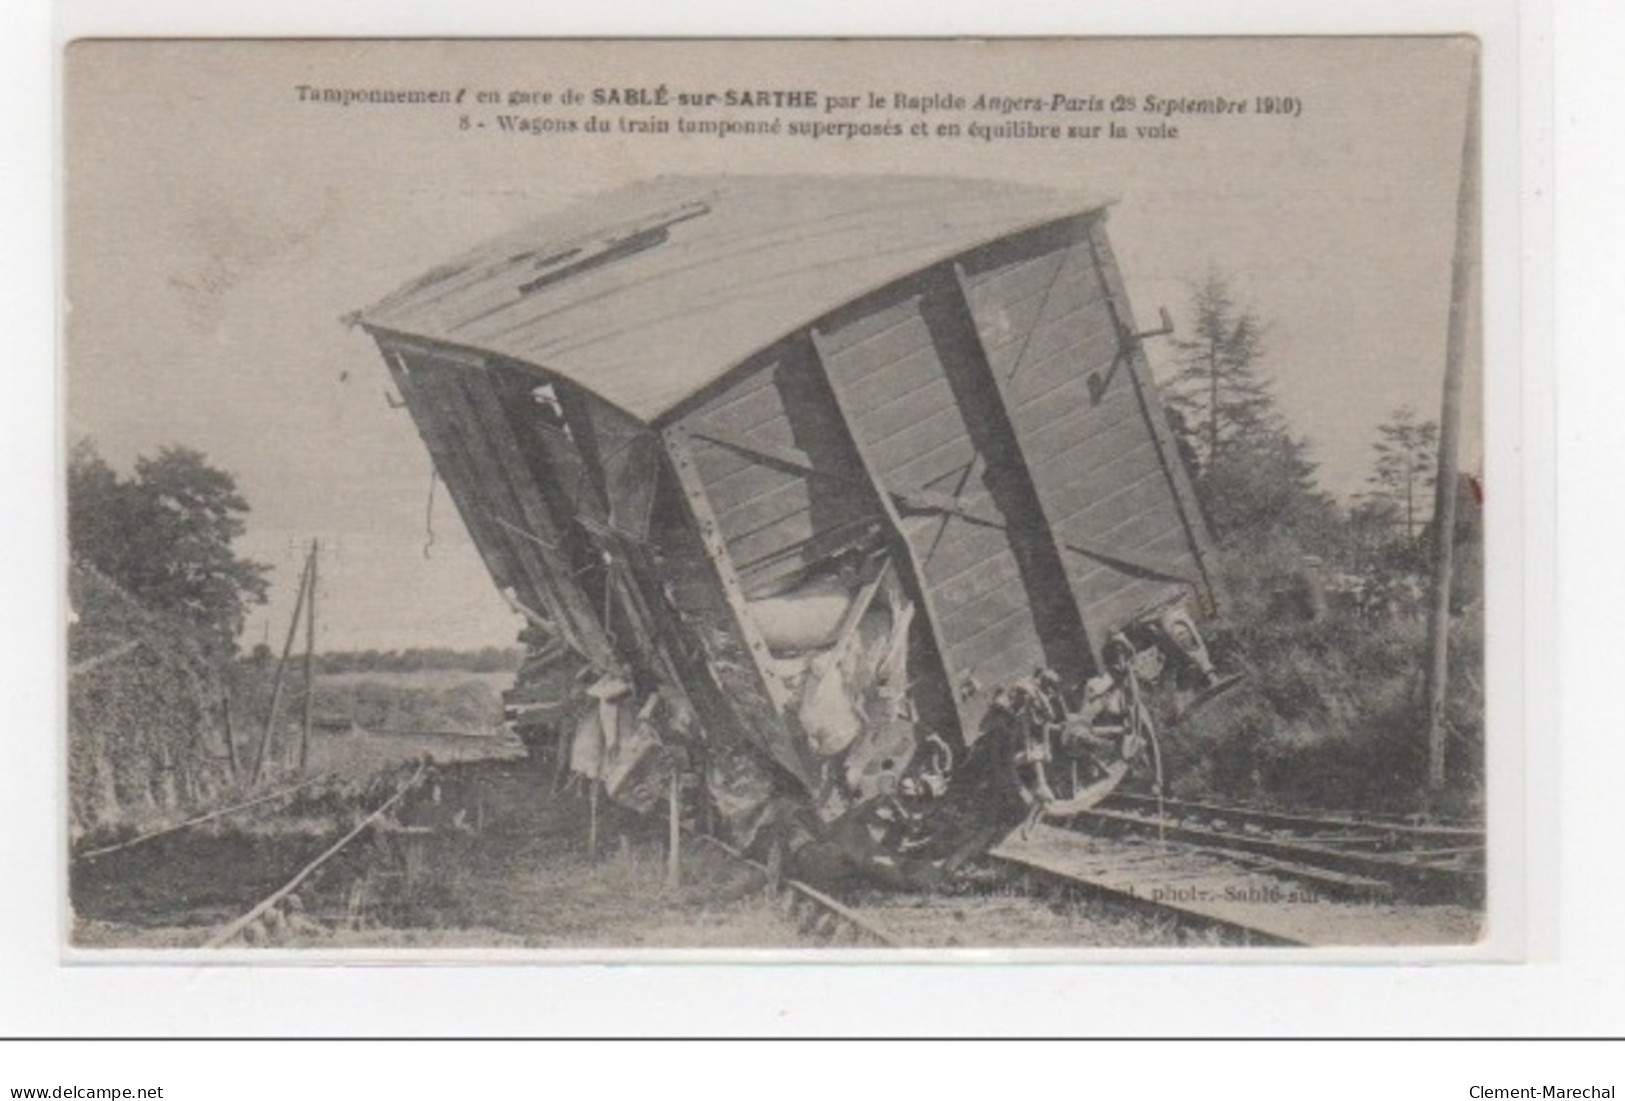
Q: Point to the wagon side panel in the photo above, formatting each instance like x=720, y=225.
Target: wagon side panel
x=1053, y=327
x=701, y=585
x=787, y=491
x=457, y=407
x=917, y=401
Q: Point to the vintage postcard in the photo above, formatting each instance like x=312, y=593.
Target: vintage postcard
x=898, y=496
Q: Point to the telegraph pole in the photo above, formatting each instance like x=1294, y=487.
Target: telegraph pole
x=310, y=651
x=281, y=670
x=1463, y=294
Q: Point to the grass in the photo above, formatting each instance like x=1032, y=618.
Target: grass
x=484, y=855
x=1006, y=916
x=363, y=753
x=526, y=878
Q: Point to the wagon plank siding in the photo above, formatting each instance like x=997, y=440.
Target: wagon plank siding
x=739, y=638
x=734, y=695
x=779, y=518
x=438, y=404
x=494, y=488
x=946, y=440
x=1182, y=498
x=1089, y=448
x=453, y=469
x=885, y=388
x=478, y=418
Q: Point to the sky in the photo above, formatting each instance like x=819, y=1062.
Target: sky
x=217, y=230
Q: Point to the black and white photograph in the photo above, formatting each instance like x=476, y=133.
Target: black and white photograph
x=588, y=499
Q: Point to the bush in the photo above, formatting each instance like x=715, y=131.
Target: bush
x=1332, y=714
x=144, y=731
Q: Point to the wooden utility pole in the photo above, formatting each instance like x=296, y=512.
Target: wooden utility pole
x=674, y=827
x=281, y=671
x=1463, y=294
x=231, y=738
x=310, y=652
x=592, y=792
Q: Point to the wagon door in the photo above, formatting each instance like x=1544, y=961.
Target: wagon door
x=1054, y=326
x=918, y=401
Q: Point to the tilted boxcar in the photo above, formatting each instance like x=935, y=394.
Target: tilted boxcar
x=806, y=486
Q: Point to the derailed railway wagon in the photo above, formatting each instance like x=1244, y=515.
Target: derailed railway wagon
x=832, y=495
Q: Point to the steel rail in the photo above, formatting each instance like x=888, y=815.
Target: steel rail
x=1059, y=879
x=1419, y=875
x=225, y=935
x=1444, y=834
x=190, y=822
x=822, y=916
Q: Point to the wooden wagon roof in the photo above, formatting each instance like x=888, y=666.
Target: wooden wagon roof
x=646, y=294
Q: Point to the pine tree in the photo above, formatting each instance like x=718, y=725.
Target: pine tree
x=1407, y=453
x=1223, y=399
x=1250, y=473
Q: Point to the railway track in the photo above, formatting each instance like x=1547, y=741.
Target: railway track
x=200, y=886
x=1363, y=857
x=275, y=909
x=214, y=815
x=1211, y=874
x=1202, y=873
x=820, y=917
x=1264, y=877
